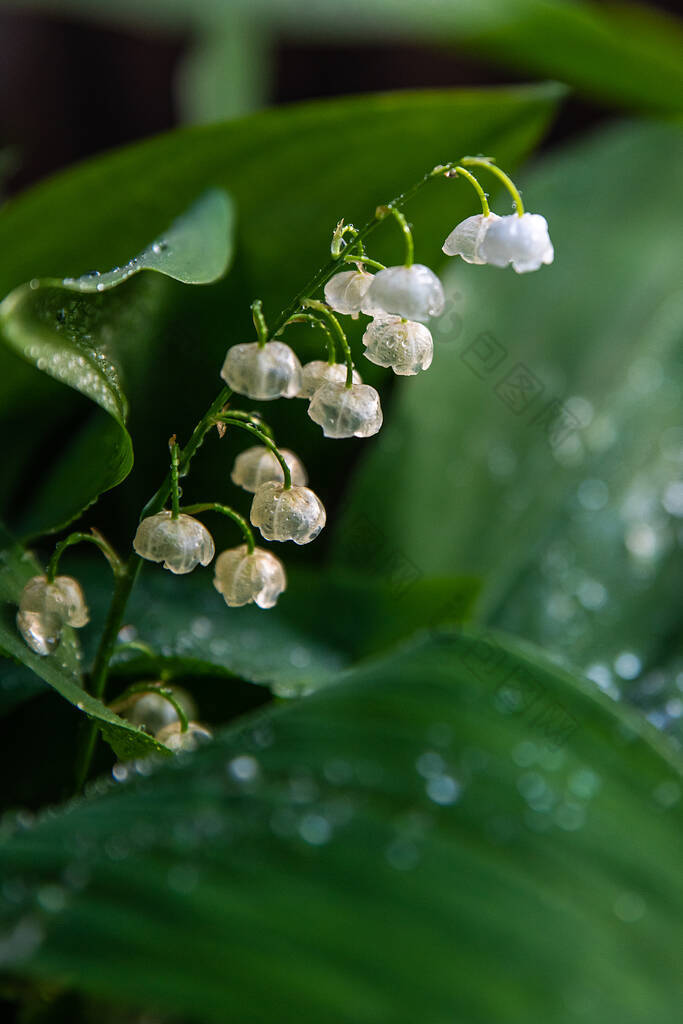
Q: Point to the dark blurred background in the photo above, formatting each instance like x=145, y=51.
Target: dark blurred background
x=79, y=77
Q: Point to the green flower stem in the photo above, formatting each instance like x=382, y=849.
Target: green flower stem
x=136, y=645
x=78, y=538
x=366, y=260
x=175, y=489
x=489, y=164
x=259, y=322
x=212, y=506
x=255, y=430
x=477, y=187
x=393, y=211
x=251, y=417
x=300, y=318
x=137, y=690
x=337, y=330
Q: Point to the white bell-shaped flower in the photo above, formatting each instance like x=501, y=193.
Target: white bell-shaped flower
x=466, y=237
x=263, y=372
x=404, y=345
x=345, y=292
x=346, y=412
x=173, y=736
x=317, y=373
x=296, y=513
x=242, y=578
x=522, y=241
x=44, y=608
x=412, y=292
x=181, y=544
x=153, y=712
x=258, y=465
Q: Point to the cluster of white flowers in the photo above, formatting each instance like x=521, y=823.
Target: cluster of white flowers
x=523, y=241
x=46, y=607
x=281, y=513
x=399, y=301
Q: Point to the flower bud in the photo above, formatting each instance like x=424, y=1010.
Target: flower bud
x=346, y=412
x=242, y=578
x=317, y=373
x=295, y=514
x=412, y=292
x=345, y=292
x=404, y=345
x=181, y=544
x=466, y=237
x=173, y=737
x=153, y=712
x=522, y=241
x=262, y=372
x=44, y=608
x=258, y=465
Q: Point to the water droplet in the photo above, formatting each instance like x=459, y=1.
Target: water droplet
x=593, y=494
x=627, y=665
x=430, y=764
x=244, y=768
x=315, y=829
x=443, y=790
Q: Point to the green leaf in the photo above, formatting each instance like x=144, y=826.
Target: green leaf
x=457, y=811
x=627, y=54
x=61, y=669
x=288, y=207
x=563, y=495
x=323, y=622
x=78, y=333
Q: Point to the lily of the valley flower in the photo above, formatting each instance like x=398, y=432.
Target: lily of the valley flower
x=346, y=412
x=263, y=372
x=413, y=292
x=45, y=608
x=294, y=513
x=404, y=345
x=317, y=372
x=243, y=578
x=258, y=465
x=181, y=544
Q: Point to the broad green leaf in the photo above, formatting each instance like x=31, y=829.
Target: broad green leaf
x=78, y=333
x=542, y=449
x=61, y=670
x=288, y=206
x=456, y=812
x=322, y=623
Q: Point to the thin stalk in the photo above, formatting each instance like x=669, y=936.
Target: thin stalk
x=485, y=209
x=137, y=690
x=251, y=428
x=213, y=506
x=399, y=217
x=78, y=538
x=322, y=310
x=175, y=489
x=259, y=322
x=487, y=162
x=300, y=318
